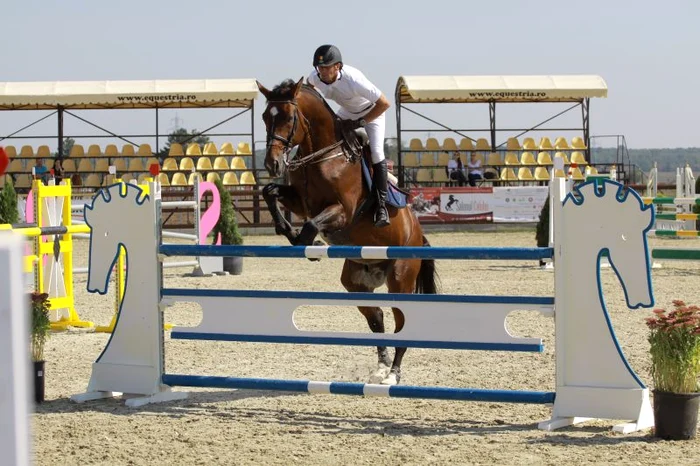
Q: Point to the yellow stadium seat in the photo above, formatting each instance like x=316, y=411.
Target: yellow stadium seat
x=220, y=163
x=2, y=180
x=102, y=165
x=119, y=165
x=68, y=166
x=193, y=177
x=578, y=158
x=163, y=179
x=136, y=165
x=230, y=179
x=482, y=144
x=178, y=179
x=94, y=151
x=544, y=158
x=576, y=174
x=440, y=175
x=186, y=164
x=49, y=163
x=16, y=166
x=244, y=149
x=562, y=156
x=559, y=173
x=424, y=175
x=449, y=144
x=237, y=163
x=512, y=144
x=494, y=159
x=432, y=144
x=528, y=158
x=591, y=170
x=128, y=150
x=415, y=144
x=463, y=158
x=170, y=165
x=247, y=178
x=145, y=151
x=210, y=149
x=111, y=151
x=410, y=159
x=546, y=144
x=193, y=150
x=144, y=178
x=213, y=177
x=204, y=164
x=26, y=152
x=541, y=174
x=578, y=143
x=175, y=150
x=508, y=174
x=43, y=152
x=128, y=178
x=427, y=159
x=77, y=151
x=11, y=152
x=466, y=144
x=227, y=149
x=23, y=181
x=525, y=174
x=152, y=161
x=529, y=144
x=512, y=158
x=93, y=180
x=442, y=159
x=85, y=166
x=561, y=144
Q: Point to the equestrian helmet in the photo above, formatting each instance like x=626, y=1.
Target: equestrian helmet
x=327, y=55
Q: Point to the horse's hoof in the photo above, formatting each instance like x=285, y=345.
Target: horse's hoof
x=392, y=379
x=380, y=374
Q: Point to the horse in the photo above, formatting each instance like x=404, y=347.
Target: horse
x=326, y=189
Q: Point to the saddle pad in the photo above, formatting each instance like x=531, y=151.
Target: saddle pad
x=395, y=197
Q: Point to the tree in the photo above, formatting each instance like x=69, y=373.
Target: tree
x=182, y=136
x=68, y=144
x=8, y=203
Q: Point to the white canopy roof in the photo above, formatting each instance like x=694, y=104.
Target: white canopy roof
x=128, y=94
x=464, y=89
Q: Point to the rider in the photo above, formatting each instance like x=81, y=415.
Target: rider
x=362, y=105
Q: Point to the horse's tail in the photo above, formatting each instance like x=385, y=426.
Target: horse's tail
x=428, y=281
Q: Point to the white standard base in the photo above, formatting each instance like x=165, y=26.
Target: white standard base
x=132, y=401
x=624, y=428
x=161, y=397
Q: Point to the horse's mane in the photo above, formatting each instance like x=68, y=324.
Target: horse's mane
x=285, y=91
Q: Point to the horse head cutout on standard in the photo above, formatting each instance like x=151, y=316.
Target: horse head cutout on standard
x=326, y=189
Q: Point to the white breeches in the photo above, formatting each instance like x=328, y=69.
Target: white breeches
x=375, y=131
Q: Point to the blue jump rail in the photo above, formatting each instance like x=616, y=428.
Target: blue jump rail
x=359, y=252
x=356, y=388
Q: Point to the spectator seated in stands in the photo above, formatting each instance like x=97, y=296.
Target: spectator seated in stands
x=474, y=170
x=41, y=172
x=455, y=171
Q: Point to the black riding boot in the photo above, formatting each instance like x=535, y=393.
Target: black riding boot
x=379, y=179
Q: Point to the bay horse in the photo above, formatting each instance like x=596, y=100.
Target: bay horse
x=326, y=189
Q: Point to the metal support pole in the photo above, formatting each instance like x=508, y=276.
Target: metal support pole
x=397, y=99
x=157, y=133
x=492, y=121
x=60, y=132
x=586, y=128
x=256, y=198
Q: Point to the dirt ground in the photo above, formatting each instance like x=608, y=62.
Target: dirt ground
x=257, y=427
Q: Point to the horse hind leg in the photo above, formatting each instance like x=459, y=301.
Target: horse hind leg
x=364, y=279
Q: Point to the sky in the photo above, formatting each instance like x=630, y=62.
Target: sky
x=646, y=51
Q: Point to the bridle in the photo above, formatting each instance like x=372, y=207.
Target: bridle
x=287, y=142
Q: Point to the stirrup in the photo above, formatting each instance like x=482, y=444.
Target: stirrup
x=381, y=217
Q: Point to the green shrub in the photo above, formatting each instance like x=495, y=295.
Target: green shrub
x=227, y=225
x=8, y=203
x=41, y=324
x=542, y=230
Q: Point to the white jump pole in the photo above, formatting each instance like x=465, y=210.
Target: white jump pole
x=14, y=354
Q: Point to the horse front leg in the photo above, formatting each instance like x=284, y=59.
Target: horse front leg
x=330, y=219
x=289, y=198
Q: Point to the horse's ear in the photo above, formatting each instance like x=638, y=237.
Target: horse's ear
x=263, y=90
x=297, y=88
